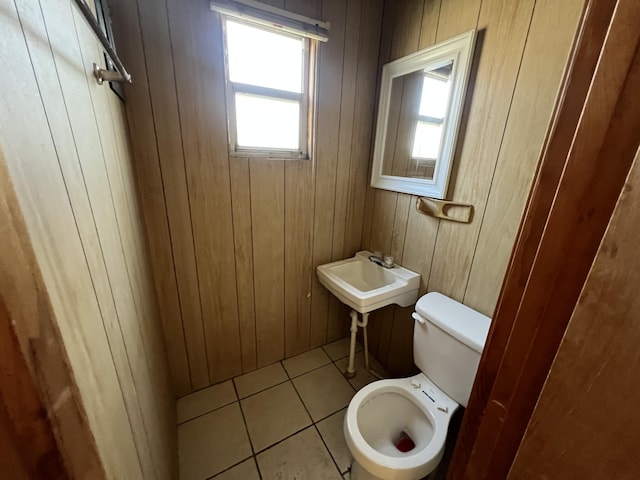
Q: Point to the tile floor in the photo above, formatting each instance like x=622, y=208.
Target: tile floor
x=283, y=421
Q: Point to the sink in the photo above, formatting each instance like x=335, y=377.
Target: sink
x=366, y=286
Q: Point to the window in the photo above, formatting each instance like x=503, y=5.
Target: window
x=269, y=86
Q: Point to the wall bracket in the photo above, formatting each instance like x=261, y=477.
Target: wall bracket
x=445, y=210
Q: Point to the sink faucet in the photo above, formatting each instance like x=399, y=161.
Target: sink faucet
x=385, y=261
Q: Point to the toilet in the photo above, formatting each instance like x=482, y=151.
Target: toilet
x=396, y=429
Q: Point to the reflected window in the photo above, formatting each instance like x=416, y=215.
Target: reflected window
x=434, y=101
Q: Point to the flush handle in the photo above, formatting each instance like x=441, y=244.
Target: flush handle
x=418, y=318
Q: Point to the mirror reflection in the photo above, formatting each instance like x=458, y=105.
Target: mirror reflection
x=418, y=109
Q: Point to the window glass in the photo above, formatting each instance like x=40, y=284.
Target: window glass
x=263, y=58
x=426, y=143
x=434, y=98
x=267, y=122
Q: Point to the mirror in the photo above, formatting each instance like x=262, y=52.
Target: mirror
x=421, y=100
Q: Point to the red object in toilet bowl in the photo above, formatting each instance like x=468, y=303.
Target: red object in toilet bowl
x=404, y=443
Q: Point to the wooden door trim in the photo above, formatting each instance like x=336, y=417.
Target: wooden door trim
x=24, y=415
x=39, y=398
x=566, y=216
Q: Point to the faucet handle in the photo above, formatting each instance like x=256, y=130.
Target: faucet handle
x=388, y=261
x=377, y=253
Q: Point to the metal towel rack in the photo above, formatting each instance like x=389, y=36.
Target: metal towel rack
x=101, y=74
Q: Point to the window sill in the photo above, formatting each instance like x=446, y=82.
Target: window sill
x=266, y=155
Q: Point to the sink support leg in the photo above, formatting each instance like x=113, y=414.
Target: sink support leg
x=351, y=368
x=365, y=322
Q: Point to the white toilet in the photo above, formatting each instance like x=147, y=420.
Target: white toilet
x=396, y=429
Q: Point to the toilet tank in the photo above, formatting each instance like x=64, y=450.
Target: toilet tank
x=448, y=339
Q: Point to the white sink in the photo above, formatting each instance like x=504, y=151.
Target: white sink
x=366, y=286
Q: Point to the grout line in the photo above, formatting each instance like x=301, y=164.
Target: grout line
x=255, y=462
x=208, y=412
x=315, y=425
x=264, y=389
x=231, y=467
x=197, y=390
x=285, y=438
x=244, y=420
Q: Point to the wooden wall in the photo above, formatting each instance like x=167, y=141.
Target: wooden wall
x=520, y=55
x=586, y=423
x=66, y=150
x=235, y=241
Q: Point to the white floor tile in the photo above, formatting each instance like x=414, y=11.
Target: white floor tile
x=205, y=401
x=261, y=379
x=324, y=391
x=306, y=362
x=332, y=433
x=212, y=443
x=273, y=415
x=302, y=456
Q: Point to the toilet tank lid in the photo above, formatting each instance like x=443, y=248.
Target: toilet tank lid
x=458, y=320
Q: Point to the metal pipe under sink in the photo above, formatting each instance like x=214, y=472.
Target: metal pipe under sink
x=355, y=323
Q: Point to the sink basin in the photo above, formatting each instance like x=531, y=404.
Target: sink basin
x=366, y=286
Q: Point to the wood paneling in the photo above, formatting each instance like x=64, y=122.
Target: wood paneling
x=568, y=212
x=67, y=152
x=505, y=118
x=557, y=144
x=588, y=403
x=233, y=238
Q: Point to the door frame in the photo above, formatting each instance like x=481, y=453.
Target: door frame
x=46, y=430
x=567, y=213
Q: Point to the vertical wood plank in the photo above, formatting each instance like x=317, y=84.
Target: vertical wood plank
x=196, y=37
x=391, y=209
x=298, y=214
x=94, y=151
x=505, y=29
x=158, y=57
x=242, y=227
x=267, y=219
x=552, y=28
x=299, y=272
x=338, y=321
x=419, y=236
x=151, y=192
x=327, y=137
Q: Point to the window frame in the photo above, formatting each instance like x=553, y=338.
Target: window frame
x=306, y=99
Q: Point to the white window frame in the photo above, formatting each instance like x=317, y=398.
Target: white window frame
x=306, y=98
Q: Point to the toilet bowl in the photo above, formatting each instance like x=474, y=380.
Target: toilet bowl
x=396, y=429
x=382, y=412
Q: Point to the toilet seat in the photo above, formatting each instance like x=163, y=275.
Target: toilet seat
x=381, y=410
